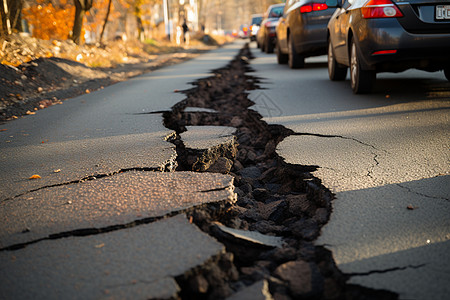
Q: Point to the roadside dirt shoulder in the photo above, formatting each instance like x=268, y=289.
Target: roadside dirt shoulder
x=47, y=81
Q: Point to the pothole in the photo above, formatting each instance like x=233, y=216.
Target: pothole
x=275, y=199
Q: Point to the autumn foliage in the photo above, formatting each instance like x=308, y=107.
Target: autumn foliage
x=50, y=22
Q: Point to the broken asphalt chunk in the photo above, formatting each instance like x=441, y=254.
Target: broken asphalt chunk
x=110, y=201
x=133, y=263
x=253, y=237
x=257, y=291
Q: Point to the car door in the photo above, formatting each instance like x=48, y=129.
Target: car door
x=283, y=25
x=341, y=21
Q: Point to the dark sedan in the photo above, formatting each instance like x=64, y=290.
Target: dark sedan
x=302, y=31
x=372, y=36
x=266, y=36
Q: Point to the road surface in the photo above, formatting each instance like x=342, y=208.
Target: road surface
x=103, y=165
x=386, y=158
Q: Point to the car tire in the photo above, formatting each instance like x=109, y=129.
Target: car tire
x=262, y=46
x=336, y=72
x=268, y=45
x=362, y=81
x=282, y=58
x=447, y=73
x=295, y=61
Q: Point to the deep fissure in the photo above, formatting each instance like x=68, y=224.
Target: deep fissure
x=274, y=198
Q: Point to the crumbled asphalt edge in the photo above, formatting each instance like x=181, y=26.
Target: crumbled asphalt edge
x=274, y=198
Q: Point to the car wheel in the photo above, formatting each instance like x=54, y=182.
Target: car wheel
x=281, y=57
x=262, y=47
x=257, y=44
x=294, y=60
x=362, y=80
x=335, y=71
x=268, y=45
x=447, y=73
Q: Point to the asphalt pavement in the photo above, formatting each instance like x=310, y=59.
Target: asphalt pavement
x=105, y=217
x=102, y=165
x=386, y=158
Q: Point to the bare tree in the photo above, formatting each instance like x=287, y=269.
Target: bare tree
x=106, y=21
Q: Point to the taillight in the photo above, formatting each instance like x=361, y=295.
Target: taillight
x=319, y=6
x=381, y=52
x=313, y=7
x=380, y=9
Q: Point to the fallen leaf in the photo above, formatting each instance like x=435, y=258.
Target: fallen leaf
x=30, y=112
x=35, y=176
x=87, y=91
x=100, y=246
x=410, y=207
x=3, y=130
x=57, y=171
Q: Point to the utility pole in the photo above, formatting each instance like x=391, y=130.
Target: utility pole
x=167, y=18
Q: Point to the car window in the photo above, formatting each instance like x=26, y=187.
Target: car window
x=276, y=12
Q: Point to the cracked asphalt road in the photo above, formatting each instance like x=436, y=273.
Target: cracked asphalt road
x=386, y=158
x=105, y=166
x=110, y=217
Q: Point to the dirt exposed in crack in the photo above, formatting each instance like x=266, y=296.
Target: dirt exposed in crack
x=274, y=198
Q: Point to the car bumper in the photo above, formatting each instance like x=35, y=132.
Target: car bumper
x=421, y=51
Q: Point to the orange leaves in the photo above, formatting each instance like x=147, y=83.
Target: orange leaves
x=50, y=22
x=35, y=176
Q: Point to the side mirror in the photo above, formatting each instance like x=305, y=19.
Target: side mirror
x=333, y=3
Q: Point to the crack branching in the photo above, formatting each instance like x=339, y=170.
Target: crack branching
x=421, y=194
x=394, y=269
x=169, y=166
x=338, y=136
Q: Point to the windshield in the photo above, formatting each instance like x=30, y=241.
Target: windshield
x=276, y=12
x=256, y=20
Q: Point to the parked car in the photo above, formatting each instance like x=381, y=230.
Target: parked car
x=254, y=26
x=302, y=31
x=374, y=36
x=266, y=36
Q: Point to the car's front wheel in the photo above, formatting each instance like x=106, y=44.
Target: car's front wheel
x=295, y=61
x=362, y=80
x=336, y=72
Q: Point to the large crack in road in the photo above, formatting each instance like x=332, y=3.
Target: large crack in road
x=275, y=199
x=268, y=231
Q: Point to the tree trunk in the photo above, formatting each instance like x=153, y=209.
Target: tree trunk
x=16, y=14
x=6, y=23
x=81, y=6
x=140, y=28
x=106, y=21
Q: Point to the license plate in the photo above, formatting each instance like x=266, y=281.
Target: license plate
x=443, y=12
